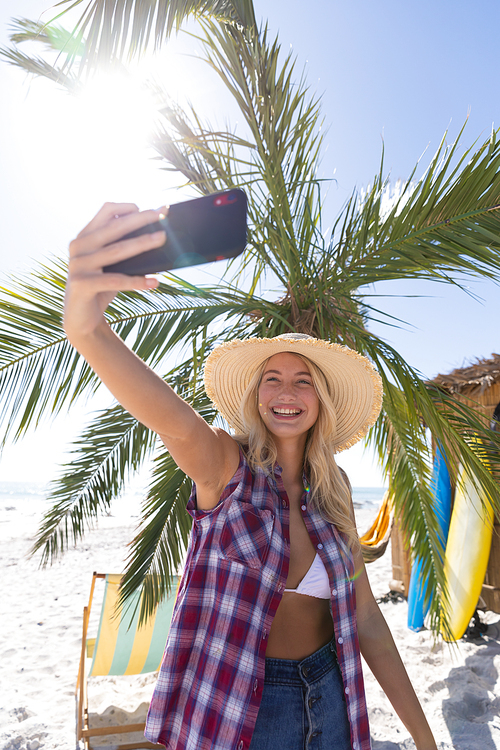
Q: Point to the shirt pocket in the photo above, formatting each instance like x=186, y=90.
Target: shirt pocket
x=246, y=534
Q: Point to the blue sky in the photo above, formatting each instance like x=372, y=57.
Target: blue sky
x=390, y=72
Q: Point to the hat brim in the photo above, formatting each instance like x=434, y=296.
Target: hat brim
x=355, y=384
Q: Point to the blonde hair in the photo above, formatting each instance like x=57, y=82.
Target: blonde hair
x=330, y=491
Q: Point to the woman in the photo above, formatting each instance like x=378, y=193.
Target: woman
x=274, y=606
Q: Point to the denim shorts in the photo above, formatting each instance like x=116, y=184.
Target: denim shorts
x=303, y=705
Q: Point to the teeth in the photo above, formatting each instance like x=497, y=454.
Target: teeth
x=286, y=411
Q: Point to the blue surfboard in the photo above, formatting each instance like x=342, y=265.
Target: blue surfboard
x=417, y=610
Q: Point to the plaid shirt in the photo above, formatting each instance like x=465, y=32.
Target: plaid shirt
x=210, y=683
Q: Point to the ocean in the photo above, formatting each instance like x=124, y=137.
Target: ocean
x=23, y=504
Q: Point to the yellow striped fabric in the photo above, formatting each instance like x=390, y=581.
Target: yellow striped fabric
x=122, y=647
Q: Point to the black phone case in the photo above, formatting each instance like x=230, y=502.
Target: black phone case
x=198, y=231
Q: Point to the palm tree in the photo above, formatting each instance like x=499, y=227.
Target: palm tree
x=442, y=226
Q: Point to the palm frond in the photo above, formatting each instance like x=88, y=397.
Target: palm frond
x=112, y=447
x=275, y=161
x=284, y=122
x=38, y=66
x=124, y=29
x=402, y=445
x=205, y=156
x=54, y=39
x=40, y=372
x=159, y=547
x=405, y=451
x=442, y=226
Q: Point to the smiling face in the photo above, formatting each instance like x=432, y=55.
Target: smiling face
x=288, y=402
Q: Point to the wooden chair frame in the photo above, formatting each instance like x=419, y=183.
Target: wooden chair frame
x=83, y=729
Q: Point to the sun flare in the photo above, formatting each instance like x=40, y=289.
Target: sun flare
x=117, y=112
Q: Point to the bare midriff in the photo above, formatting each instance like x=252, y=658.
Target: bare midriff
x=302, y=624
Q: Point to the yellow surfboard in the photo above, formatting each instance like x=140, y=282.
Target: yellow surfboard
x=467, y=554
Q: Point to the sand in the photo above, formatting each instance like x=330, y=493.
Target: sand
x=40, y=640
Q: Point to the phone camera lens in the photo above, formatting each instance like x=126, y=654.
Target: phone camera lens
x=225, y=199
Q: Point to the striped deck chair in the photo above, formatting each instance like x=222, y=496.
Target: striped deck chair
x=120, y=648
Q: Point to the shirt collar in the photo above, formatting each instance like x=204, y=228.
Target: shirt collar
x=277, y=472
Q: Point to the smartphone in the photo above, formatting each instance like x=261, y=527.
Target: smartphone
x=198, y=231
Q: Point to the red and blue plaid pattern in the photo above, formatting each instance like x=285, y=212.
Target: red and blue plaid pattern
x=210, y=683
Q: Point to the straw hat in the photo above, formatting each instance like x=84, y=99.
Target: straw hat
x=355, y=384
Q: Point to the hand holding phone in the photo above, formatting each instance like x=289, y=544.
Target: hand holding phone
x=198, y=231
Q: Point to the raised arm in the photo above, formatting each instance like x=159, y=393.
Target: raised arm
x=380, y=653
x=209, y=456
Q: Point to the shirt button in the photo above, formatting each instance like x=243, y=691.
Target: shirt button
x=347, y=690
x=341, y=640
x=303, y=507
x=284, y=503
x=320, y=546
x=334, y=592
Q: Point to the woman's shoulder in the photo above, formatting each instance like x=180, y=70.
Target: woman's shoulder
x=237, y=487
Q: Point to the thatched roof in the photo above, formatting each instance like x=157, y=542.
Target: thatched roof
x=472, y=380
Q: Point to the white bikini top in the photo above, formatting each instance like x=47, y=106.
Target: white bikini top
x=315, y=582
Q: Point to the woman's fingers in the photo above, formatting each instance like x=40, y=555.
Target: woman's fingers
x=106, y=213
x=94, y=261
x=115, y=227
x=123, y=249
x=88, y=289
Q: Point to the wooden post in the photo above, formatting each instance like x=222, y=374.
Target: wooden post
x=401, y=561
x=491, y=585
